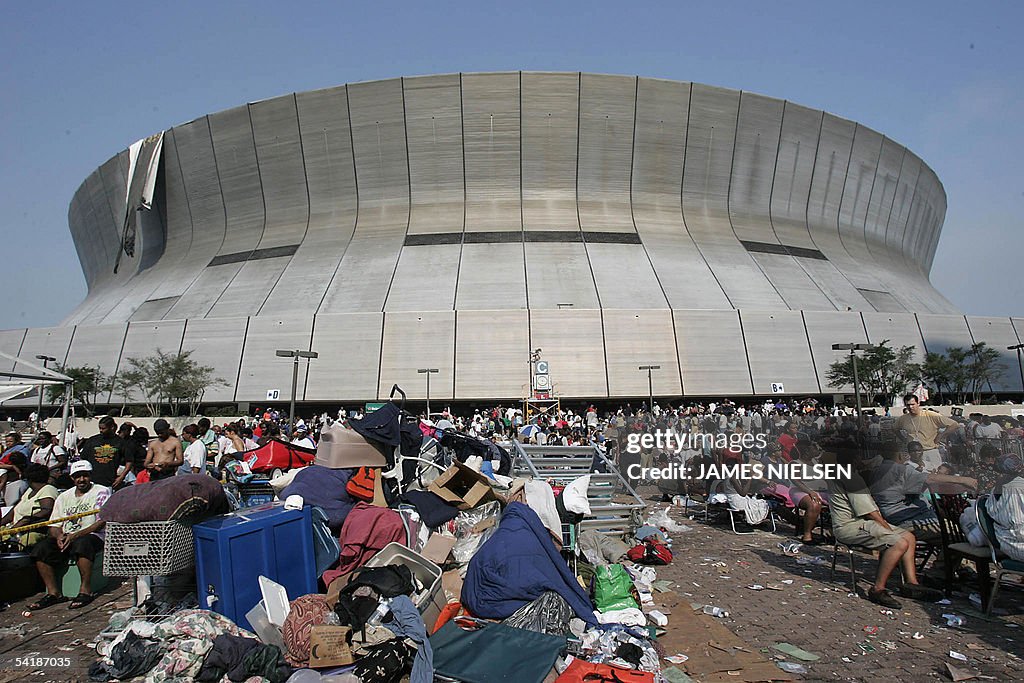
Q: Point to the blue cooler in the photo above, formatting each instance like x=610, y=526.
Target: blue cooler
x=233, y=551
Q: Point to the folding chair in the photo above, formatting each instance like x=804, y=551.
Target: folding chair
x=728, y=510
x=955, y=547
x=1002, y=563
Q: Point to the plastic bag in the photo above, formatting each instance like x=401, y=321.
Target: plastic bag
x=661, y=520
x=613, y=589
x=549, y=613
x=472, y=530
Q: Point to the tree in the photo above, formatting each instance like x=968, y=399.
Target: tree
x=171, y=378
x=983, y=366
x=942, y=373
x=963, y=371
x=89, y=383
x=883, y=371
x=125, y=384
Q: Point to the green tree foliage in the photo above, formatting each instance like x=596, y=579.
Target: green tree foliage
x=171, y=379
x=883, y=371
x=89, y=384
x=963, y=372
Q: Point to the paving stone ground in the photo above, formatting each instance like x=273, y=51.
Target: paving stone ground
x=856, y=640
x=55, y=644
x=812, y=613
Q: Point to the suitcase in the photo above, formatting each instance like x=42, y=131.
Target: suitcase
x=234, y=550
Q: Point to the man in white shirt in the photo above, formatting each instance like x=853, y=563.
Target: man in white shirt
x=48, y=454
x=70, y=440
x=195, y=452
x=80, y=539
x=987, y=429
x=302, y=438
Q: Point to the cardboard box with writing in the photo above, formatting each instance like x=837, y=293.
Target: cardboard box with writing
x=328, y=646
x=464, y=488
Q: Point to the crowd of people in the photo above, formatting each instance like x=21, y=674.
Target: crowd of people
x=896, y=460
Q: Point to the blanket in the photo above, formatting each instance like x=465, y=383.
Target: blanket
x=325, y=488
x=516, y=565
x=189, y=498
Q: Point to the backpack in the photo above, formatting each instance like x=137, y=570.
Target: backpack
x=360, y=485
x=651, y=551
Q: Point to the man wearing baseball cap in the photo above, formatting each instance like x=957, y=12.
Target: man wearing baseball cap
x=78, y=539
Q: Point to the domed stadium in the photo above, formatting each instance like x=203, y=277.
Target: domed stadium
x=460, y=222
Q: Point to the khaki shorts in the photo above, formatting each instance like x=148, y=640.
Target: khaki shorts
x=868, y=533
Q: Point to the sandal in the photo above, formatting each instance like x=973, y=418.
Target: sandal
x=81, y=600
x=48, y=600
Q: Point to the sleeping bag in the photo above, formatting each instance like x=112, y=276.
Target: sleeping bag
x=516, y=565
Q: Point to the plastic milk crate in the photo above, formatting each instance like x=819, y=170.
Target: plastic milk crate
x=147, y=549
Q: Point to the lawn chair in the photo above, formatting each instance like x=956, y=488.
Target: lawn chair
x=727, y=509
x=1002, y=563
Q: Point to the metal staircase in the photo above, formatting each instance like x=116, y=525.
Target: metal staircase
x=614, y=505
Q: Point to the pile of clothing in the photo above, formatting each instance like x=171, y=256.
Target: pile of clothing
x=421, y=583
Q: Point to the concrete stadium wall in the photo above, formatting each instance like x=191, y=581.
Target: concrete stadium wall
x=517, y=190
x=483, y=354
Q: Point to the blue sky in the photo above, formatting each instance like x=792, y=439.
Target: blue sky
x=81, y=81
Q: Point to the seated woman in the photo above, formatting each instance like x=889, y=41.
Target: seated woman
x=1006, y=508
x=35, y=505
x=740, y=494
x=776, y=487
x=808, y=493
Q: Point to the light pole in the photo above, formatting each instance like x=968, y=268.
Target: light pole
x=853, y=348
x=296, y=355
x=428, y=372
x=47, y=359
x=650, y=384
x=1020, y=367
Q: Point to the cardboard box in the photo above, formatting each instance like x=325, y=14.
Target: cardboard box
x=328, y=646
x=451, y=583
x=463, y=487
x=438, y=548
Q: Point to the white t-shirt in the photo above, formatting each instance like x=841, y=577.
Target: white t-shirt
x=69, y=503
x=47, y=457
x=195, y=455
x=988, y=431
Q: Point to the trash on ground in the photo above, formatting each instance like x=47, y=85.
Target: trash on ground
x=794, y=651
x=958, y=674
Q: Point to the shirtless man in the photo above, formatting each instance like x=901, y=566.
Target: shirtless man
x=164, y=455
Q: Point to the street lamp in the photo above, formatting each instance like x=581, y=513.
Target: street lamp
x=650, y=384
x=853, y=348
x=428, y=372
x=1020, y=367
x=39, y=413
x=296, y=354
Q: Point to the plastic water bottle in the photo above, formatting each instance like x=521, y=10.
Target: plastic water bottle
x=715, y=611
x=378, y=614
